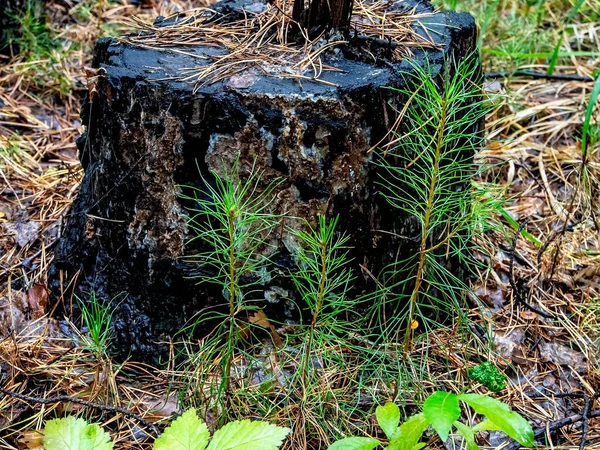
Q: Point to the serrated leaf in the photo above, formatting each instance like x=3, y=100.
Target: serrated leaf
x=442, y=409
x=501, y=415
x=408, y=435
x=468, y=435
x=187, y=432
x=355, y=443
x=388, y=418
x=248, y=435
x=97, y=438
x=71, y=433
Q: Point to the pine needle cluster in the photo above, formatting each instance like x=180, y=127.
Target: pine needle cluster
x=426, y=176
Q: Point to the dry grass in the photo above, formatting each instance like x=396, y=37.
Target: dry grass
x=534, y=159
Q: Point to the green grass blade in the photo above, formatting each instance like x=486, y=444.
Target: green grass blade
x=588, y=116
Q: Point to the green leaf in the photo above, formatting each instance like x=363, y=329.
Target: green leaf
x=468, y=435
x=500, y=414
x=355, y=443
x=408, y=435
x=248, y=435
x=442, y=409
x=71, y=433
x=388, y=418
x=588, y=115
x=187, y=432
x=486, y=425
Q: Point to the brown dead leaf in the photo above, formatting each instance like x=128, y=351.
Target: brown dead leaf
x=37, y=298
x=32, y=440
x=564, y=356
x=160, y=407
x=509, y=346
x=24, y=232
x=13, y=313
x=493, y=296
x=260, y=319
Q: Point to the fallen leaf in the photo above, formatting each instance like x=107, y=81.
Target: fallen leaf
x=13, y=313
x=260, y=319
x=32, y=439
x=24, y=232
x=37, y=298
x=509, y=346
x=563, y=356
x=160, y=407
x=493, y=296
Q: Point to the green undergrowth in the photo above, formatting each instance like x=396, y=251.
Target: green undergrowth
x=515, y=33
x=322, y=374
x=43, y=57
x=441, y=411
x=187, y=432
x=488, y=375
x=426, y=176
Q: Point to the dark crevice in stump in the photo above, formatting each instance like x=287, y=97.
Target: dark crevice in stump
x=323, y=15
x=127, y=230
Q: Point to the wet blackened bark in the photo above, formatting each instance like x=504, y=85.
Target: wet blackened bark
x=322, y=15
x=127, y=231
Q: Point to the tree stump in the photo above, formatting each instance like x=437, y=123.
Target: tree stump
x=148, y=134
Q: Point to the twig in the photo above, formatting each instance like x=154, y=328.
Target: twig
x=516, y=291
x=583, y=417
x=67, y=398
x=556, y=425
x=540, y=75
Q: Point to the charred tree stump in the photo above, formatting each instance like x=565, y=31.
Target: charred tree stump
x=322, y=15
x=148, y=135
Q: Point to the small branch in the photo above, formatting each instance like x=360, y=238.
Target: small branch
x=556, y=425
x=516, y=291
x=67, y=398
x=584, y=417
x=538, y=75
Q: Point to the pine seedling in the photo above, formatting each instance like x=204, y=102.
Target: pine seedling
x=426, y=177
x=322, y=279
x=233, y=221
x=96, y=317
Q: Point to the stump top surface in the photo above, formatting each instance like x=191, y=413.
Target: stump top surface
x=165, y=66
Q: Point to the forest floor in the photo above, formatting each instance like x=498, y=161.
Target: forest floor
x=542, y=320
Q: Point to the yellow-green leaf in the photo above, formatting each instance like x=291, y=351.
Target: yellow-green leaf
x=248, y=435
x=442, y=409
x=355, y=443
x=388, y=418
x=187, y=432
x=407, y=436
x=71, y=433
x=500, y=415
